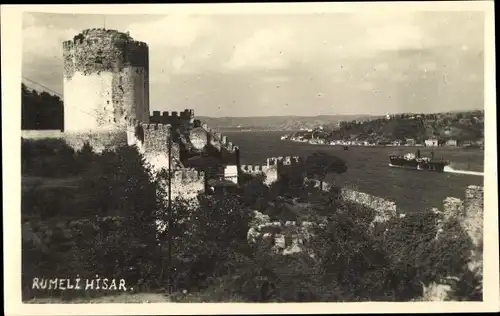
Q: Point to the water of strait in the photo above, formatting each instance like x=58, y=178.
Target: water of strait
x=369, y=171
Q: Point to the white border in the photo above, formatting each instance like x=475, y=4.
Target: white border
x=11, y=77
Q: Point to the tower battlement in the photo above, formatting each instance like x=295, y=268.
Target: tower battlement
x=106, y=75
x=253, y=168
x=173, y=117
x=160, y=128
x=98, y=50
x=284, y=160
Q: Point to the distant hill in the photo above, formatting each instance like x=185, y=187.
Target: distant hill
x=280, y=123
x=460, y=126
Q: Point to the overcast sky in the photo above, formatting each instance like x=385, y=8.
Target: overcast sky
x=261, y=65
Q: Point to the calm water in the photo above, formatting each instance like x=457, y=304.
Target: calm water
x=368, y=169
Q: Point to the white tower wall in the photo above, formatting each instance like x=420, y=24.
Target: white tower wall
x=106, y=81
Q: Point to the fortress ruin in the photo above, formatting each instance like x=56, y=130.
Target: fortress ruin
x=106, y=104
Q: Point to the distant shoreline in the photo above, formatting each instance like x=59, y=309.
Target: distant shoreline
x=387, y=146
x=255, y=130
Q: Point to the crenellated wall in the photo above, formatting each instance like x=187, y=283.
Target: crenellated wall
x=253, y=169
x=284, y=160
x=186, y=183
x=175, y=119
x=270, y=172
x=275, y=167
x=219, y=141
x=106, y=81
x=152, y=140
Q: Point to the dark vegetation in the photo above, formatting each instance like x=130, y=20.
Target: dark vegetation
x=41, y=111
x=109, y=205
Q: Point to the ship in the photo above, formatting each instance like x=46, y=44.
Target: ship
x=416, y=162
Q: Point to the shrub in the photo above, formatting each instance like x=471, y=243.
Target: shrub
x=417, y=256
x=319, y=164
x=47, y=158
x=119, y=183
x=255, y=191
x=205, y=237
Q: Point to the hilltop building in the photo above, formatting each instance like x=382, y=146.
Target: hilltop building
x=452, y=142
x=431, y=142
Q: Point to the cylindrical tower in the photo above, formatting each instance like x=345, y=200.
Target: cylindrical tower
x=106, y=81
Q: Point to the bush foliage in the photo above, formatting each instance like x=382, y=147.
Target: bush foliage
x=108, y=226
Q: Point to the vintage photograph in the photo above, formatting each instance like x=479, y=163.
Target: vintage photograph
x=253, y=158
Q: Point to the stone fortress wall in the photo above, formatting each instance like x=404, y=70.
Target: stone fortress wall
x=470, y=215
x=152, y=141
x=106, y=81
x=187, y=183
x=284, y=161
x=175, y=118
x=219, y=141
x=384, y=209
x=270, y=172
x=106, y=103
x=275, y=167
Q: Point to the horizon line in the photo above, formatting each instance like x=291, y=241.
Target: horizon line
x=355, y=114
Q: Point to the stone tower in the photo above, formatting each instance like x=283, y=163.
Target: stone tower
x=106, y=81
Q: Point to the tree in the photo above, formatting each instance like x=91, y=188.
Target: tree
x=206, y=236
x=40, y=111
x=255, y=194
x=319, y=164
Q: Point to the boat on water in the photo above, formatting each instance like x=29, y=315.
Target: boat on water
x=416, y=162
x=346, y=147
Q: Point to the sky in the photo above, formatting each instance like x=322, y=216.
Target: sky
x=303, y=64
